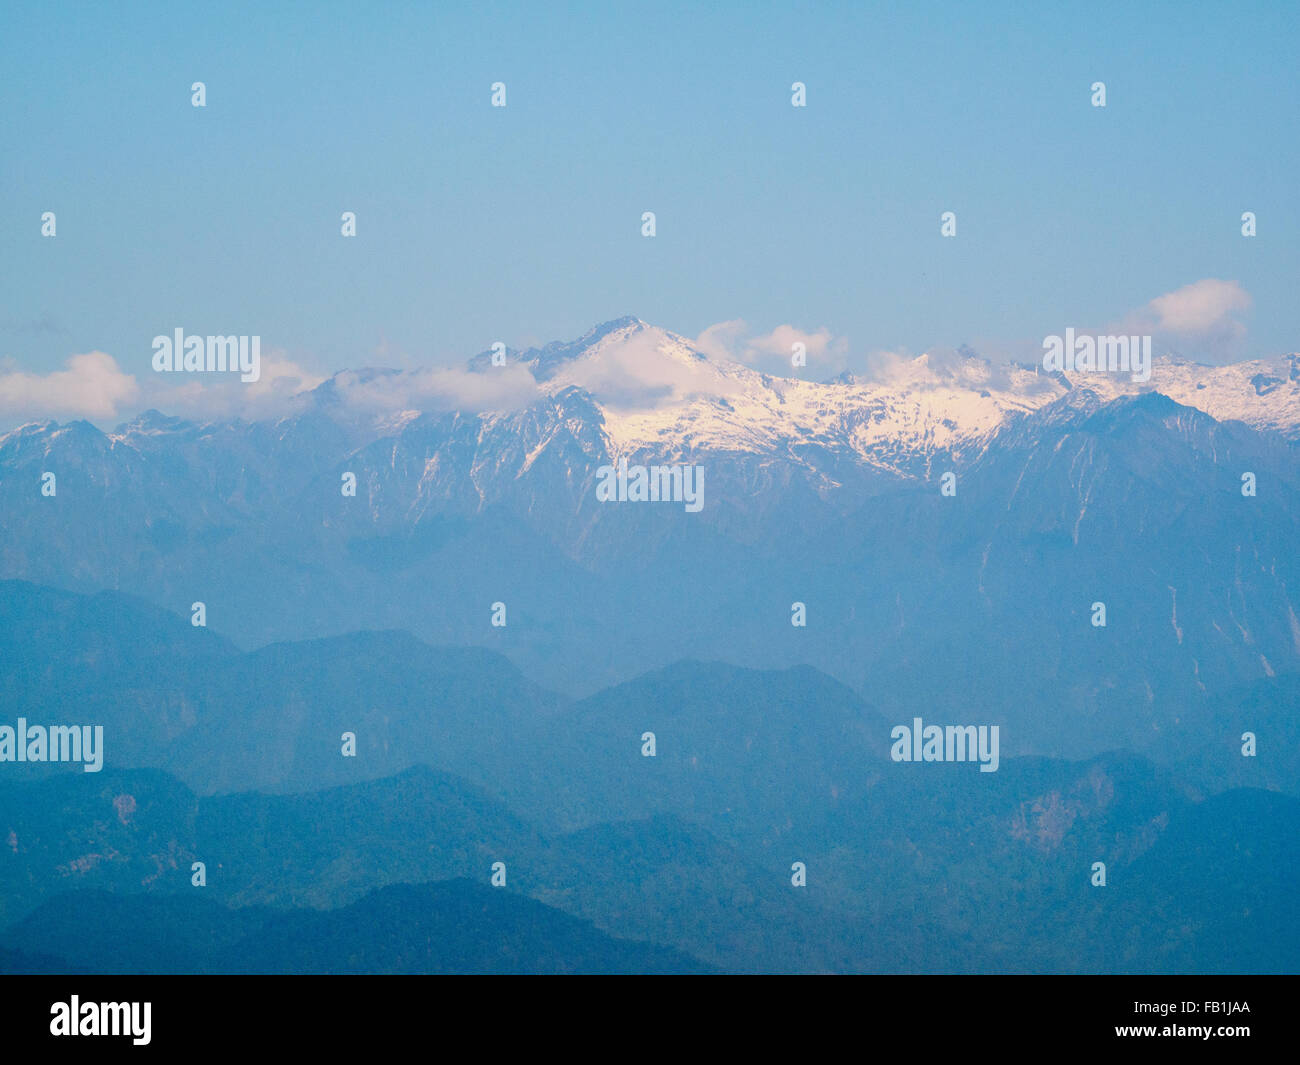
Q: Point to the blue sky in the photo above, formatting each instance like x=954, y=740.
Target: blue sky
x=522, y=224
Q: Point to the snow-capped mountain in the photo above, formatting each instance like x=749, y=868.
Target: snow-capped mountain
x=658, y=393
x=478, y=486
x=652, y=392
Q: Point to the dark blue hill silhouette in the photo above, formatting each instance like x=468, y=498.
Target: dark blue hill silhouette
x=938, y=869
x=449, y=927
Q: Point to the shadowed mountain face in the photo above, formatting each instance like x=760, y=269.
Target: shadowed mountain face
x=1209, y=741
x=910, y=867
x=174, y=696
x=140, y=830
x=744, y=751
x=947, y=871
x=454, y=927
x=668, y=773
x=983, y=604
x=828, y=495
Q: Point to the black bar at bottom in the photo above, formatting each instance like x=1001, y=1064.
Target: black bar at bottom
x=1243, y=1015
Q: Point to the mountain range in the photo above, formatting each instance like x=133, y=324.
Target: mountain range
x=951, y=872
x=1069, y=490
x=612, y=699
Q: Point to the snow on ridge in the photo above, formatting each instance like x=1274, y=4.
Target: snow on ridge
x=657, y=393
x=720, y=405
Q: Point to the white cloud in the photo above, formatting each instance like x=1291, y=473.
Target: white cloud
x=500, y=389
x=893, y=368
x=1200, y=308
x=93, y=386
x=722, y=340
x=643, y=371
x=212, y=396
x=1200, y=320
x=771, y=352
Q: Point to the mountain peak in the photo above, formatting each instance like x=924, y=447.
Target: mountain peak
x=150, y=421
x=543, y=361
x=546, y=361
x=625, y=322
